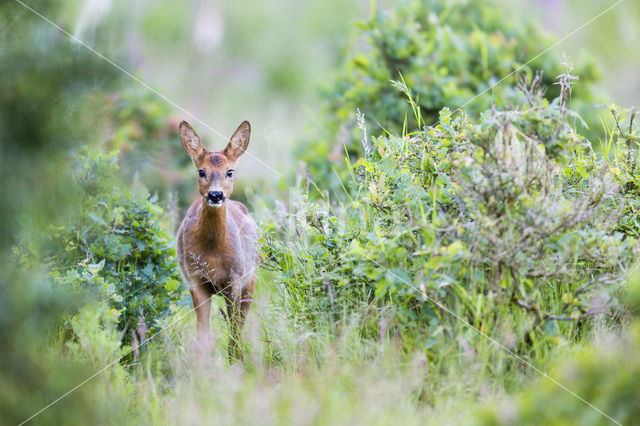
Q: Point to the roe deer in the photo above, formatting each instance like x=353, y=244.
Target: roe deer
x=216, y=244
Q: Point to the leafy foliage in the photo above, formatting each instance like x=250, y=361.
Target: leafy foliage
x=506, y=219
x=622, y=145
x=116, y=245
x=448, y=53
x=511, y=222
x=604, y=373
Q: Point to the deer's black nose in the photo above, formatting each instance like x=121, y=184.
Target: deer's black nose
x=215, y=196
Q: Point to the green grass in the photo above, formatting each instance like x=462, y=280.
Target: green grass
x=292, y=374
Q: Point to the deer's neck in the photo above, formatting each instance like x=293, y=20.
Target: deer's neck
x=212, y=226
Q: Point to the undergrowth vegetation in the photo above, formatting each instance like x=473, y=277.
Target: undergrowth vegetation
x=603, y=372
x=510, y=223
x=426, y=258
x=116, y=247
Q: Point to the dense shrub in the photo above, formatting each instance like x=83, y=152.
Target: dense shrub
x=116, y=246
x=447, y=52
x=510, y=221
x=603, y=372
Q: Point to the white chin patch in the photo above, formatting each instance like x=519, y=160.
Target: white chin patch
x=212, y=204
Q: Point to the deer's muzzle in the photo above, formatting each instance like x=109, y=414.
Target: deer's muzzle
x=215, y=198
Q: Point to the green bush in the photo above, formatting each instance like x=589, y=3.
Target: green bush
x=603, y=372
x=447, y=52
x=510, y=221
x=622, y=147
x=116, y=245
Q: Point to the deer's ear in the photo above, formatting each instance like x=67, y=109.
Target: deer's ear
x=239, y=141
x=191, y=142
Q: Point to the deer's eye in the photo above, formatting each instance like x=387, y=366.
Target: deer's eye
x=229, y=173
x=202, y=174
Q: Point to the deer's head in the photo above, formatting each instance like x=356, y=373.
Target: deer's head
x=215, y=168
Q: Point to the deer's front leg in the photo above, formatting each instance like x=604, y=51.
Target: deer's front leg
x=202, y=305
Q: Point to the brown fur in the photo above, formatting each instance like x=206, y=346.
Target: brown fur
x=217, y=246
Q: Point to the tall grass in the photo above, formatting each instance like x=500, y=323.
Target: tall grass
x=296, y=375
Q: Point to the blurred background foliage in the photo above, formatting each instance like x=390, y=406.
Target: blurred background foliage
x=448, y=53
x=94, y=183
